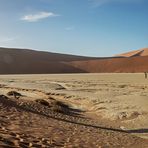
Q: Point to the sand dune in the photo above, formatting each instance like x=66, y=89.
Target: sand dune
x=129, y=65
x=141, y=52
x=24, y=61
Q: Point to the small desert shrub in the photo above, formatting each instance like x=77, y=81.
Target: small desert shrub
x=3, y=97
x=122, y=86
x=50, y=98
x=14, y=93
x=52, y=94
x=48, y=93
x=60, y=88
x=59, y=107
x=43, y=102
x=59, y=103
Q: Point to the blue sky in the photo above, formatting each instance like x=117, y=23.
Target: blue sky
x=81, y=27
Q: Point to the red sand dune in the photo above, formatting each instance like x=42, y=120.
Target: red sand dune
x=24, y=61
x=141, y=52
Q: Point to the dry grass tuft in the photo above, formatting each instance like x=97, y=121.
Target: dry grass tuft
x=14, y=93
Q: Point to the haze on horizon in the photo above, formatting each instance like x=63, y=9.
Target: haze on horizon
x=86, y=27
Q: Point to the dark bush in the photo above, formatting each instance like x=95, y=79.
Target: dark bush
x=14, y=93
x=50, y=98
x=59, y=103
x=58, y=109
x=59, y=106
x=3, y=96
x=43, y=102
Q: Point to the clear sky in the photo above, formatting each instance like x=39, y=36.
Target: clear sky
x=81, y=27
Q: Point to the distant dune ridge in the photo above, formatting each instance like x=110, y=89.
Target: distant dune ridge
x=25, y=61
x=141, y=52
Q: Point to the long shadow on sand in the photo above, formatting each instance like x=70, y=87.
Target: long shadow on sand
x=138, y=131
x=9, y=103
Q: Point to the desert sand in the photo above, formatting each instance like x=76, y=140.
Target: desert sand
x=74, y=110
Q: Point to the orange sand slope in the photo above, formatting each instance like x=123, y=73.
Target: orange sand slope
x=141, y=52
x=24, y=61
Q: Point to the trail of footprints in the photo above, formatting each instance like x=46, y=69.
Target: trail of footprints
x=9, y=139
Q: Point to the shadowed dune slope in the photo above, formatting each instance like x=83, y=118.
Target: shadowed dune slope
x=24, y=61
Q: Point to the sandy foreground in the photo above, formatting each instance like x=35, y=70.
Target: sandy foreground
x=100, y=110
